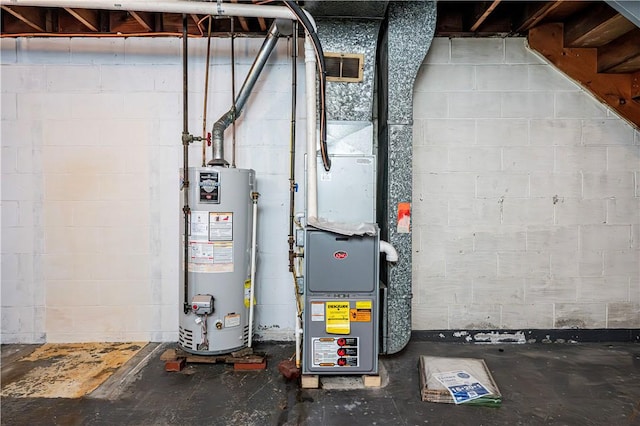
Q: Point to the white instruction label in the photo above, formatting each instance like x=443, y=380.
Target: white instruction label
x=220, y=226
x=317, y=311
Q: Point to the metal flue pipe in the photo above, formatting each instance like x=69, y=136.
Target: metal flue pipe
x=217, y=134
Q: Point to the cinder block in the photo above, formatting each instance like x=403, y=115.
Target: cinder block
x=428, y=316
x=10, y=159
x=635, y=236
x=559, y=185
x=9, y=106
x=565, y=264
x=527, y=158
x=603, y=289
x=556, y=132
x=439, y=51
x=523, y=264
x=475, y=316
x=516, y=52
x=623, y=211
x=608, y=185
x=500, y=78
x=152, y=105
x=623, y=315
x=527, y=316
x=472, y=159
x=150, y=50
x=448, y=185
x=68, y=240
x=578, y=105
x=581, y=158
x=551, y=290
x=503, y=132
x=546, y=78
x=473, y=264
x=622, y=263
x=429, y=211
x=429, y=105
x=570, y=211
x=474, y=105
x=10, y=213
x=445, y=78
x=10, y=270
x=43, y=106
x=477, y=51
x=506, y=291
x=452, y=132
x=552, y=238
x=17, y=320
x=613, y=132
x=621, y=158
x=605, y=237
x=131, y=78
x=591, y=263
x=23, y=78
x=73, y=78
x=42, y=50
x=8, y=51
x=580, y=315
x=475, y=212
x=97, y=51
x=18, y=239
x=500, y=239
x=527, y=105
x=439, y=291
x=508, y=185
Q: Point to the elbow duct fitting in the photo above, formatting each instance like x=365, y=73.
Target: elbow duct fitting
x=391, y=255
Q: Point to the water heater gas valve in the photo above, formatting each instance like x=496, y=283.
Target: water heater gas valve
x=202, y=304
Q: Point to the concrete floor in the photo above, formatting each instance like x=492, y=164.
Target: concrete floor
x=541, y=384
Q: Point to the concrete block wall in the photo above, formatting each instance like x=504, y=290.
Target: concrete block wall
x=526, y=208
x=91, y=153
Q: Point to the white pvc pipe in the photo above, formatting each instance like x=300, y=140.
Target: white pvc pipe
x=298, y=332
x=253, y=266
x=170, y=6
x=312, y=168
x=389, y=251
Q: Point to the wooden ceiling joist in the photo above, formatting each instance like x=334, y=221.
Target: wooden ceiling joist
x=483, y=17
x=89, y=18
x=145, y=19
x=596, y=27
x=535, y=17
x=34, y=17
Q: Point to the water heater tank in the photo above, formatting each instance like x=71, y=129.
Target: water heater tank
x=214, y=318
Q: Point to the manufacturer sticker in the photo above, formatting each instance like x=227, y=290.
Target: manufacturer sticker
x=340, y=255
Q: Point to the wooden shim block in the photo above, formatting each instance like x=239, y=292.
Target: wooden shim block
x=371, y=381
x=310, y=381
x=168, y=355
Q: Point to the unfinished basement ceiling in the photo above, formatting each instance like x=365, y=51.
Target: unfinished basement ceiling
x=588, y=40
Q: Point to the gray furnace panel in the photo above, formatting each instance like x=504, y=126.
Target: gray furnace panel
x=340, y=263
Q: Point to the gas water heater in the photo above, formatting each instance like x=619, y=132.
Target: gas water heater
x=215, y=314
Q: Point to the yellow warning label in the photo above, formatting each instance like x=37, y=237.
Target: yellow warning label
x=363, y=304
x=337, y=318
x=360, y=315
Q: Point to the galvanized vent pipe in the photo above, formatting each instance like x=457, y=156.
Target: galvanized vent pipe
x=217, y=134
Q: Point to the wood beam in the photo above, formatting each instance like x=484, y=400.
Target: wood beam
x=596, y=27
x=580, y=64
x=539, y=14
x=621, y=55
x=483, y=17
x=635, y=86
x=32, y=16
x=145, y=19
x=88, y=18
